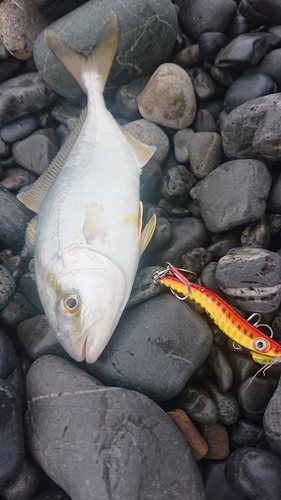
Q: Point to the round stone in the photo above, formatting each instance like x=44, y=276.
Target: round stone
x=152, y=135
x=205, y=153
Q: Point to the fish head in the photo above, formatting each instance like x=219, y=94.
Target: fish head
x=84, y=306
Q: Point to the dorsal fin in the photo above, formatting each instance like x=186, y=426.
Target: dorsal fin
x=142, y=152
x=33, y=198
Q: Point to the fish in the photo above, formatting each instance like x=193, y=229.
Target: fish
x=87, y=235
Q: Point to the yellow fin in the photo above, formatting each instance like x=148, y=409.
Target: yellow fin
x=100, y=59
x=30, y=234
x=142, y=152
x=147, y=233
x=33, y=198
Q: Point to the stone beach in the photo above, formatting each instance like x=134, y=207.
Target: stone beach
x=170, y=410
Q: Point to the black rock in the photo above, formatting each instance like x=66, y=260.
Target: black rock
x=222, y=368
x=205, y=122
x=8, y=357
x=195, y=260
x=246, y=88
x=53, y=494
x=222, y=243
x=199, y=406
x=204, y=86
x=271, y=421
x=261, y=12
x=25, y=484
x=36, y=152
x=29, y=289
x=216, y=485
x=237, y=26
x=274, y=199
x=126, y=97
x=17, y=310
x=177, y=184
x=150, y=182
x=144, y=287
x=161, y=235
x=14, y=217
x=19, y=129
x=227, y=407
x=254, y=395
x=246, y=433
x=210, y=44
x=16, y=178
x=7, y=287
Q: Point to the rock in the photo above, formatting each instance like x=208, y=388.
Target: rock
x=53, y=494
x=254, y=395
x=195, y=260
x=205, y=153
x=150, y=181
x=245, y=433
x=216, y=485
x=181, y=141
x=254, y=472
x=274, y=200
x=24, y=94
x=29, y=289
x=252, y=130
x=243, y=367
x=151, y=340
x=14, y=217
x=198, y=406
x=269, y=66
x=25, y=484
x=17, y=310
x=7, y=287
x=234, y=193
x=36, y=152
x=227, y=407
x=217, y=439
x=251, y=278
x=204, y=122
x=9, y=68
x=197, y=444
x=271, y=421
x=204, y=86
x=219, y=363
x=223, y=242
x=237, y=26
x=210, y=44
x=16, y=178
x=152, y=135
x=188, y=56
x=19, y=129
x=144, y=288
x=197, y=17
x=168, y=98
x=161, y=235
x=260, y=11
x=121, y=421
x=66, y=114
x=177, y=184
x=208, y=278
x=127, y=96
x=246, y=88
x=147, y=39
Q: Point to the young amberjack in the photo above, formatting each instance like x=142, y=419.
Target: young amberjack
x=87, y=236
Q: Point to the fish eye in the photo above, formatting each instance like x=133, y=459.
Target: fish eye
x=261, y=345
x=70, y=304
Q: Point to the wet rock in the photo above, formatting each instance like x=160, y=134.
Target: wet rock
x=254, y=472
x=204, y=122
x=17, y=310
x=246, y=433
x=252, y=130
x=246, y=88
x=233, y=194
x=181, y=141
x=147, y=39
x=29, y=289
x=150, y=181
x=210, y=44
x=271, y=421
x=251, y=278
x=127, y=96
x=81, y=407
x=204, y=86
x=260, y=11
x=205, y=153
x=16, y=178
x=199, y=406
x=217, y=439
x=227, y=406
x=19, y=129
x=197, y=444
x=222, y=369
x=23, y=94
x=177, y=184
x=153, y=339
x=168, y=98
x=216, y=485
x=195, y=260
x=36, y=152
x=254, y=395
x=152, y=135
x=14, y=217
x=186, y=234
x=25, y=484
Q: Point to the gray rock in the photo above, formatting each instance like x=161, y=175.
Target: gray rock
x=177, y=184
x=252, y=130
x=187, y=57
x=127, y=96
x=216, y=485
x=274, y=199
x=227, y=407
x=260, y=11
x=205, y=153
x=152, y=135
x=271, y=421
x=205, y=122
x=148, y=34
x=36, y=152
x=251, y=278
x=246, y=88
x=29, y=289
x=19, y=129
x=223, y=242
x=204, y=86
x=7, y=287
x=254, y=395
x=23, y=94
x=181, y=141
x=128, y=447
x=153, y=339
x=208, y=278
x=25, y=484
x=210, y=43
x=17, y=310
x=150, y=181
x=199, y=406
x=14, y=217
x=144, y=288
x=270, y=66
x=233, y=194
x=16, y=178
x=246, y=433
x=195, y=260
x=219, y=363
x=161, y=235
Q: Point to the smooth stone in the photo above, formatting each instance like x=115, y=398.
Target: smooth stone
x=205, y=153
x=254, y=395
x=36, y=152
x=8, y=162
x=244, y=50
x=274, y=199
x=153, y=339
x=251, y=278
x=187, y=57
x=208, y=278
x=227, y=406
x=144, y=287
x=19, y=129
x=217, y=439
x=271, y=421
x=246, y=433
x=214, y=106
x=16, y=178
x=7, y=287
x=121, y=421
x=222, y=243
x=198, y=406
x=252, y=130
x=148, y=34
x=204, y=86
x=62, y=132
x=25, y=484
x=216, y=485
x=66, y=114
x=161, y=235
x=197, y=18
x=127, y=96
x=237, y=26
x=195, y=260
x=204, y=122
x=29, y=289
x=168, y=98
x=11, y=431
x=24, y=94
x=177, y=184
x=149, y=209
x=181, y=141
x=222, y=76
x=257, y=234
x=246, y=88
x=270, y=66
x=150, y=181
x=234, y=193
x=14, y=217
x=172, y=210
x=261, y=11
x=210, y=44
x=221, y=367
x=4, y=149
x=186, y=234
x=17, y=310
x=243, y=366
x=152, y=135
x=197, y=444
x=256, y=473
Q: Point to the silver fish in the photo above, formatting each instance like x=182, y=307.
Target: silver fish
x=87, y=235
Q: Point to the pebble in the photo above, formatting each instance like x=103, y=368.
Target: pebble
x=250, y=277
x=7, y=287
x=181, y=141
x=195, y=260
x=16, y=178
x=208, y=278
x=36, y=152
x=221, y=367
x=161, y=235
x=18, y=309
x=216, y=485
x=204, y=122
x=223, y=242
x=139, y=50
x=246, y=88
x=19, y=129
x=260, y=11
x=152, y=135
x=227, y=407
x=168, y=98
x=205, y=153
x=274, y=200
x=78, y=408
x=14, y=217
x=246, y=433
x=177, y=184
x=127, y=96
x=217, y=440
x=256, y=473
x=271, y=421
x=29, y=289
x=210, y=43
x=243, y=367
x=198, y=405
x=269, y=66
x=150, y=181
x=204, y=86
x=144, y=288
x=25, y=484
x=254, y=395
x=197, y=444
x=152, y=340
x=234, y=193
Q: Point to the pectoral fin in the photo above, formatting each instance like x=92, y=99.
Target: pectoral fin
x=147, y=233
x=141, y=152
x=30, y=234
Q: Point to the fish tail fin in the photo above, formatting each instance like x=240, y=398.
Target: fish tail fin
x=99, y=61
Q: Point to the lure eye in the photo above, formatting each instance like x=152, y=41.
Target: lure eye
x=70, y=304
x=261, y=345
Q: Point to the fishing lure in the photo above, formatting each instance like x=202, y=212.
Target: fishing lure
x=262, y=348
